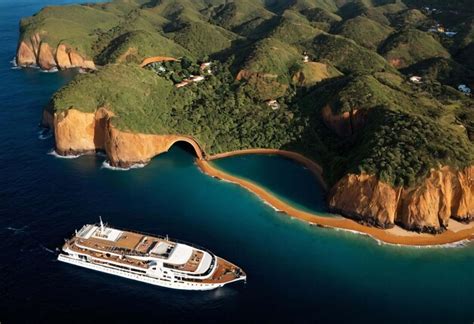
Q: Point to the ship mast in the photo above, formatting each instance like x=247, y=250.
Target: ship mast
x=102, y=227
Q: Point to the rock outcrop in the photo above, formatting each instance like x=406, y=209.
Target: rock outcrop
x=35, y=52
x=310, y=74
x=445, y=194
x=345, y=124
x=428, y=207
x=156, y=59
x=78, y=132
x=246, y=74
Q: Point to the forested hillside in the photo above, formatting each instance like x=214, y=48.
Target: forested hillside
x=327, y=78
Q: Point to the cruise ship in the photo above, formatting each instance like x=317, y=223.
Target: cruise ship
x=148, y=258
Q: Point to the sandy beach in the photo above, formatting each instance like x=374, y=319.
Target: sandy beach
x=457, y=232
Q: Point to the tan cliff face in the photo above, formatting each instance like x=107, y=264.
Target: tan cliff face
x=34, y=51
x=345, y=124
x=77, y=132
x=246, y=74
x=445, y=194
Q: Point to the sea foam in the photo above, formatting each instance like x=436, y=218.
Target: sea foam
x=53, y=70
x=14, y=64
x=106, y=165
x=44, y=134
x=55, y=154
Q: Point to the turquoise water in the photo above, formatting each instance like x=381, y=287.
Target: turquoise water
x=296, y=272
x=286, y=179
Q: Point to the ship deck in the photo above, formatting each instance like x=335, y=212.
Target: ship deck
x=129, y=245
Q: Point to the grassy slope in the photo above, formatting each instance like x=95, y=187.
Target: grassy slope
x=272, y=56
x=135, y=95
x=134, y=46
x=218, y=112
x=346, y=55
x=364, y=31
x=409, y=129
x=412, y=46
x=233, y=14
x=74, y=25
x=203, y=39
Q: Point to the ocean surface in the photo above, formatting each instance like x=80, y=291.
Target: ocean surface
x=296, y=272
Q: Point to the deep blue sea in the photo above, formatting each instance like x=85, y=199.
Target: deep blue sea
x=295, y=272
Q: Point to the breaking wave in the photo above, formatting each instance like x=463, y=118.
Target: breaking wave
x=55, y=154
x=44, y=134
x=53, y=70
x=16, y=230
x=14, y=64
x=106, y=165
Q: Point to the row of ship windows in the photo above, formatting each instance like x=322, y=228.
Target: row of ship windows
x=136, y=276
x=163, y=279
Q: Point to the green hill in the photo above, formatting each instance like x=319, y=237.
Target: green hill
x=258, y=49
x=410, y=18
x=234, y=14
x=294, y=31
x=203, y=39
x=442, y=70
x=364, y=31
x=411, y=46
x=137, y=45
x=346, y=55
x=321, y=18
x=76, y=25
x=272, y=56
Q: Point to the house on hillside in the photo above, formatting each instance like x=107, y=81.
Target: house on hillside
x=182, y=84
x=305, y=57
x=273, y=104
x=197, y=78
x=415, y=79
x=206, y=67
x=464, y=89
x=192, y=78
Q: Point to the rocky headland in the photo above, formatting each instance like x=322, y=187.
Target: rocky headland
x=33, y=51
x=427, y=207
x=330, y=87
x=77, y=132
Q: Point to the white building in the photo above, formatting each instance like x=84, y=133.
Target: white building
x=206, y=67
x=464, y=89
x=415, y=79
x=273, y=104
x=197, y=78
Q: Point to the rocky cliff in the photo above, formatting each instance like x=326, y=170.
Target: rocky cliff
x=428, y=207
x=77, y=132
x=445, y=194
x=345, y=124
x=34, y=51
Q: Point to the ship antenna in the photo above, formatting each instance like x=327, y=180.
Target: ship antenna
x=101, y=225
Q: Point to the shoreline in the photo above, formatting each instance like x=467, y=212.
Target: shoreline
x=312, y=166
x=394, y=236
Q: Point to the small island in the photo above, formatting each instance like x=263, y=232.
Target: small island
x=371, y=98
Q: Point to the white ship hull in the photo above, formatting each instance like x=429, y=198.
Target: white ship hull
x=148, y=258
x=143, y=278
